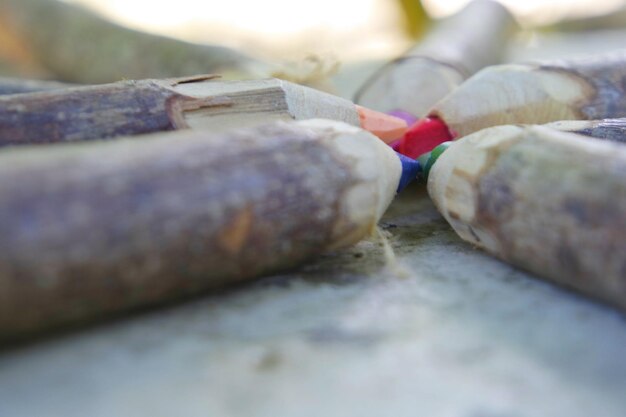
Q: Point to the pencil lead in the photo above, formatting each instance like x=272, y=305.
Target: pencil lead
x=410, y=170
x=385, y=126
x=424, y=136
x=395, y=145
x=427, y=160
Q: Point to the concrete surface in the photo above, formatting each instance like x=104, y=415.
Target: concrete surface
x=444, y=331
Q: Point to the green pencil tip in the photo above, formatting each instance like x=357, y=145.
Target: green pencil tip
x=428, y=159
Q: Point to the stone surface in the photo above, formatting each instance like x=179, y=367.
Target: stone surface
x=443, y=331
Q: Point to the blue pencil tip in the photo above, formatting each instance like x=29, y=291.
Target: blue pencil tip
x=410, y=169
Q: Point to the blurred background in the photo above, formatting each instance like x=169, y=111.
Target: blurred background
x=348, y=29
x=328, y=44
x=453, y=339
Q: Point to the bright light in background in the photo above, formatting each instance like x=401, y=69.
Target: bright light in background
x=534, y=11
x=348, y=28
x=267, y=16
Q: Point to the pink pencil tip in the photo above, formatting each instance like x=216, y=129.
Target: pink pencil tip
x=386, y=127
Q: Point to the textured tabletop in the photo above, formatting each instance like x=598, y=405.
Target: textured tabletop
x=444, y=331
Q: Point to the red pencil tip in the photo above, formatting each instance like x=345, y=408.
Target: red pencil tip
x=424, y=136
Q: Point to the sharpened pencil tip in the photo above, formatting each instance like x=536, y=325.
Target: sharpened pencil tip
x=386, y=127
x=410, y=170
x=424, y=136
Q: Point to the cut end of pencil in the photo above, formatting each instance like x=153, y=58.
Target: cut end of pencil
x=386, y=127
x=424, y=136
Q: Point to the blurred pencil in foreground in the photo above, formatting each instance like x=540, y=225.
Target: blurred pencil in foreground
x=136, y=107
x=550, y=202
x=87, y=230
x=456, y=48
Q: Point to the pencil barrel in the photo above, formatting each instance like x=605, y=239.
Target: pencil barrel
x=79, y=46
x=93, y=112
x=147, y=106
x=456, y=48
x=607, y=129
x=605, y=75
x=581, y=89
x=91, y=230
x=550, y=202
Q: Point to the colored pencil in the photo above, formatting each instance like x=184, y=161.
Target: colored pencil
x=586, y=88
x=456, y=48
x=550, y=202
x=77, y=45
x=89, y=230
x=608, y=129
x=136, y=107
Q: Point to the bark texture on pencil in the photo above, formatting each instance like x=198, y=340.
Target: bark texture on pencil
x=87, y=230
x=136, y=107
x=550, y=202
x=79, y=46
x=585, y=88
x=608, y=129
x=456, y=48
x=21, y=86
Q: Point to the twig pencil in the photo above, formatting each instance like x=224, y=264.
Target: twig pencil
x=135, y=107
x=20, y=86
x=587, y=88
x=92, y=229
x=609, y=129
x=614, y=19
x=456, y=48
x=550, y=202
x=80, y=46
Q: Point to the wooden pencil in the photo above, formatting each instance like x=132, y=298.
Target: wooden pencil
x=611, y=20
x=456, y=48
x=550, y=202
x=79, y=46
x=586, y=88
x=88, y=230
x=608, y=129
x=136, y=107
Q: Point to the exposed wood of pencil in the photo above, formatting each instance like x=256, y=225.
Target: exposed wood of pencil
x=93, y=229
x=550, y=202
x=587, y=88
x=456, y=48
x=79, y=46
x=20, y=86
x=135, y=107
